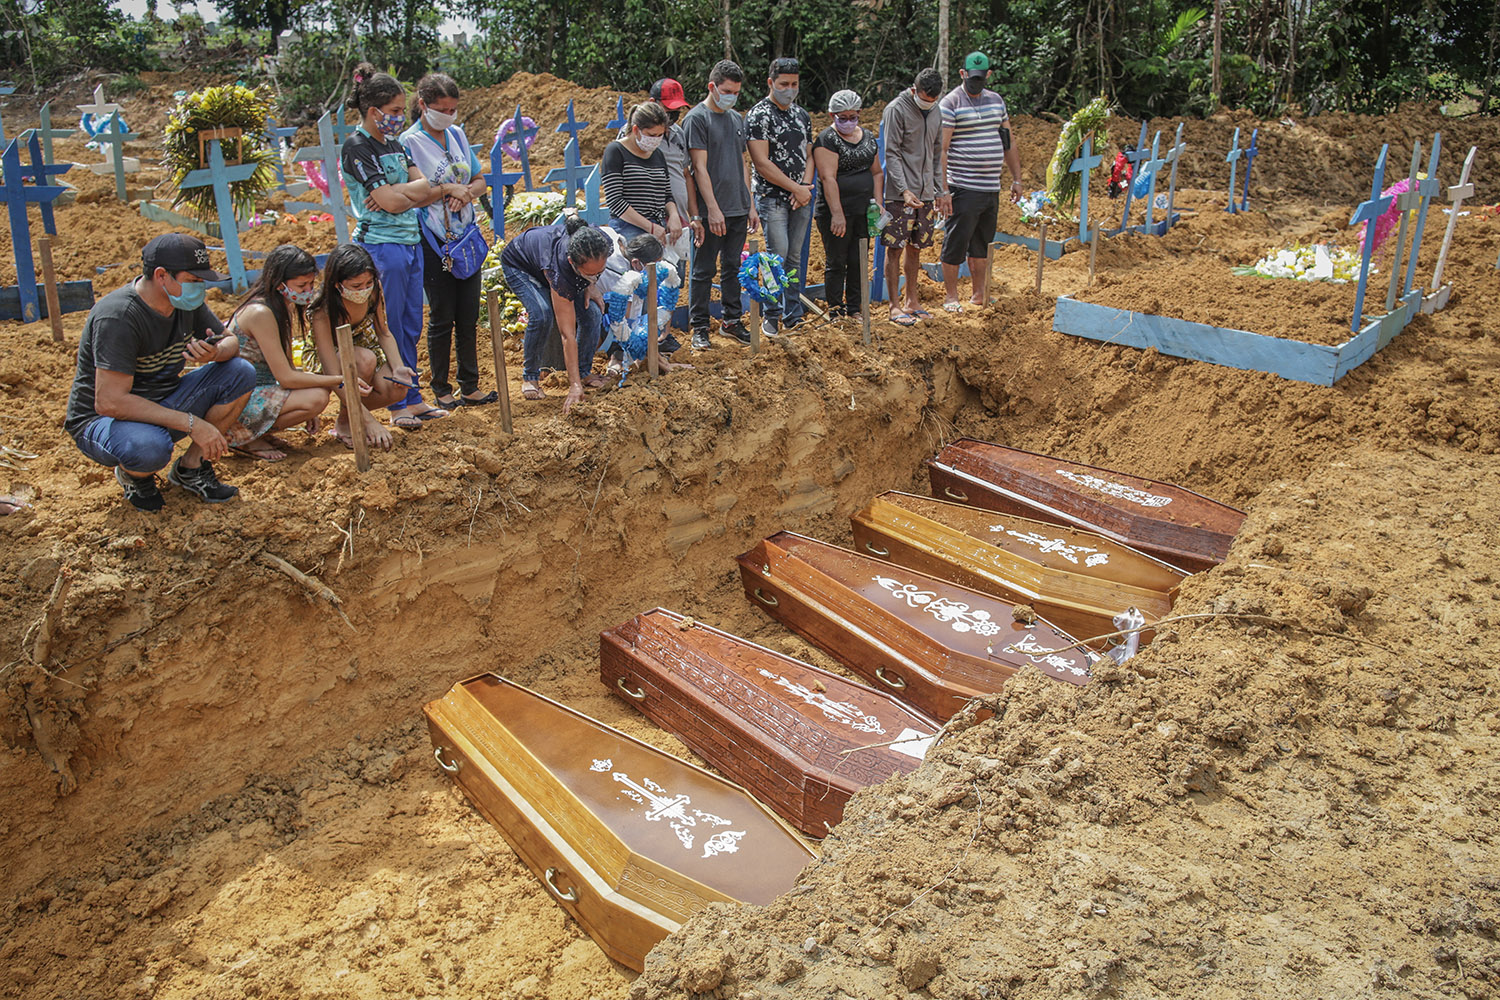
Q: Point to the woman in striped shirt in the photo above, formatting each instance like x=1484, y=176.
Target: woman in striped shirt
x=637, y=189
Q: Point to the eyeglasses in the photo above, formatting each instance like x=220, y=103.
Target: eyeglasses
x=853, y=116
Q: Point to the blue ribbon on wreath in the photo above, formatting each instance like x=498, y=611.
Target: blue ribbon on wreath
x=763, y=277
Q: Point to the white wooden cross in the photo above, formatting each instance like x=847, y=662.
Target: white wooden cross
x=1456, y=194
x=100, y=109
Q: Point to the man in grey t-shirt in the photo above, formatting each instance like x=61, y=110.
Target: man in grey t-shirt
x=716, y=143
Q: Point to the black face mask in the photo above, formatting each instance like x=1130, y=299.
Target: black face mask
x=974, y=86
x=672, y=114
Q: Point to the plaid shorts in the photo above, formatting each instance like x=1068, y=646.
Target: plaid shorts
x=907, y=230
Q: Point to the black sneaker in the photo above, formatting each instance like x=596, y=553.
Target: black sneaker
x=700, y=340
x=202, y=483
x=141, y=491
x=736, y=331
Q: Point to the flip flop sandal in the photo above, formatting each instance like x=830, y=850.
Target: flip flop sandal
x=532, y=392
x=920, y=314
x=258, y=455
x=407, y=423
x=953, y=307
x=437, y=414
x=491, y=397
x=903, y=319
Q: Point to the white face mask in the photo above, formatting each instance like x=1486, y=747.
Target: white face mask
x=439, y=121
x=725, y=101
x=649, y=143
x=356, y=295
x=924, y=105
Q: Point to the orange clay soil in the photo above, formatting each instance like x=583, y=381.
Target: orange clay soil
x=216, y=787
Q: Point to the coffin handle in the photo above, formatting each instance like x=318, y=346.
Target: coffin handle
x=877, y=550
x=450, y=768
x=571, y=896
x=958, y=495
x=639, y=694
x=894, y=681
x=762, y=598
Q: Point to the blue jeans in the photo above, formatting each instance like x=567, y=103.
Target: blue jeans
x=536, y=298
x=400, y=268
x=786, y=228
x=626, y=230
x=142, y=447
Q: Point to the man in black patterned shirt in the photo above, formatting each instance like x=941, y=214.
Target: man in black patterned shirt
x=780, y=136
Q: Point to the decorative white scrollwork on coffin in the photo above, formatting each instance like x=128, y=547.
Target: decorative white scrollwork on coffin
x=1057, y=545
x=955, y=613
x=723, y=842
x=1118, y=490
x=835, y=711
x=675, y=810
x=1037, y=653
x=606, y=764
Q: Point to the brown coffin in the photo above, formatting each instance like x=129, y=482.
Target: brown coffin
x=1076, y=579
x=629, y=840
x=933, y=643
x=1166, y=521
x=772, y=723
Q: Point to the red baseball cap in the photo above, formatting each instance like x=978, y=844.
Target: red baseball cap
x=668, y=92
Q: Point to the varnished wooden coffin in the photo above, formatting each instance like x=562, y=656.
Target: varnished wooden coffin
x=1078, y=580
x=933, y=643
x=1163, y=520
x=629, y=840
x=772, y=723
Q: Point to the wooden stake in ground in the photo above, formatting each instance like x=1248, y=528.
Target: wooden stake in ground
x=864, y=287
x=989, y=273
x=754, y=308
x=1093, y=253
x=49, y=280
x=1041, y=254
x=653, y=352
x=502, y=380
x=354, y=407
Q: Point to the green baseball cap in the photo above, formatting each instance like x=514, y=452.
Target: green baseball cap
x=976, y=62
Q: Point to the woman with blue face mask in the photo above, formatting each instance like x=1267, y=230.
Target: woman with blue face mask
x=385, y=190
x=284, y=394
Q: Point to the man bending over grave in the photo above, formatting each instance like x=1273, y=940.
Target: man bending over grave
x=131, y=402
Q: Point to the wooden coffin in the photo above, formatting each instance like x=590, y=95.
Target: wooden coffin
x=774, y=724
x=1163, y=520
x=933, y=643
x=629, y=840
x=1078, y=580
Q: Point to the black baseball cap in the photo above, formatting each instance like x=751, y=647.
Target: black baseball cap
x=179, y=252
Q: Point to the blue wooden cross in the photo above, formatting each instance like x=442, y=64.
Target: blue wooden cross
x=571, y=173
x=6, y=89
x=572, y=126
x=499, y=179
x=17, y=194
x=219, y=176
x=280, y=135
x=520, y=134
x=115, y=136
x=618, y=122
x=1135, y=156
x=1369, y=212
x=326, y=152
x=341, y=129
x=1084, y=165
x=1250, y=154
x=594, y=211
x=1233, y=159
x=1153, y=167
x=48, y=133
x=1174, y=156
x=1406, y=202
x=1427, y=189
x=41, y=172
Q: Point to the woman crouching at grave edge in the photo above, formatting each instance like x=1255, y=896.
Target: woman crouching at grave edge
x=351, y=294
x=554, y=270
x=385, y=187
x=284, y=394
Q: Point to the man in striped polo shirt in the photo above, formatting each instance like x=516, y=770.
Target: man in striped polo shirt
x=977, y=147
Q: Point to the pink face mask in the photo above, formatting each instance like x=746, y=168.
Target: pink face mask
x=649, y=143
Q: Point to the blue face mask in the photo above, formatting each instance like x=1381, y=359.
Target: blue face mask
x=192, y=296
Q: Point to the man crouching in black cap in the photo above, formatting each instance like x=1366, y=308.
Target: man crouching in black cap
x=131, y=402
